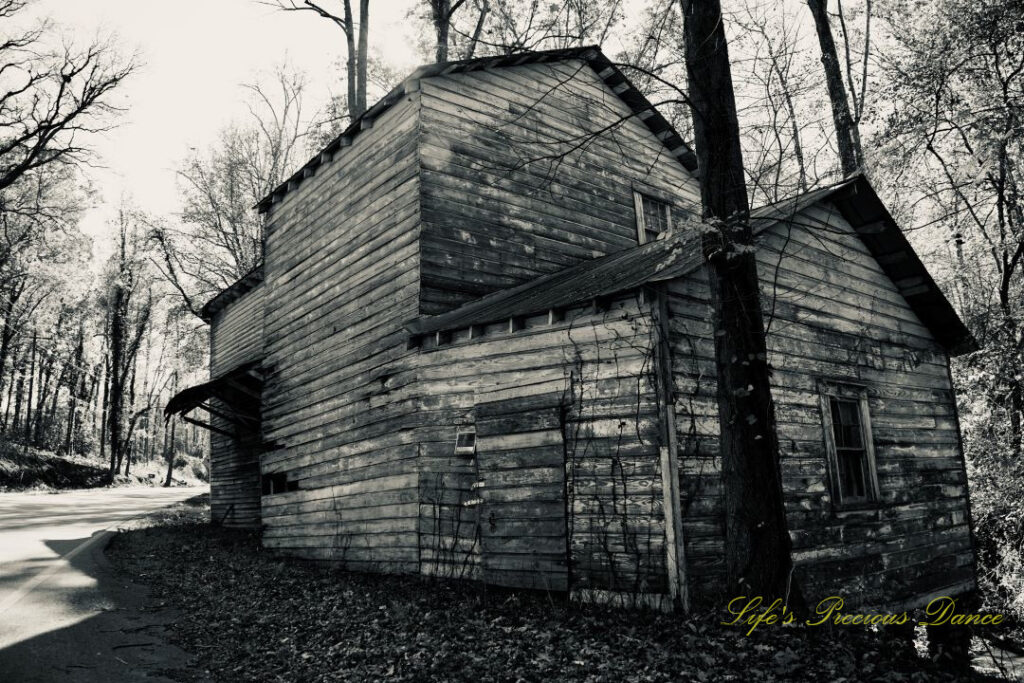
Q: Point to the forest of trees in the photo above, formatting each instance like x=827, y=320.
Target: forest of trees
x=925, y=97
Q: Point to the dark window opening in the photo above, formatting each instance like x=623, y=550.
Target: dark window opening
x=278, y=483
x=465, y=442
x=851, y=455
x=850, y=448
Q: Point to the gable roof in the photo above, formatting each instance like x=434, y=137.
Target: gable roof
x=680, y=253
x=591, y=55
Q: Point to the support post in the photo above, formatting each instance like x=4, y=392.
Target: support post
x=675, y=553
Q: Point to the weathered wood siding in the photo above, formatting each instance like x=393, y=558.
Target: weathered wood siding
x=516, y=184
x=342, y=276
x=236, y=337
x=833, y=315
x=565, y=491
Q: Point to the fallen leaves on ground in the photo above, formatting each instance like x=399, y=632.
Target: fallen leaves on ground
x=250, y=616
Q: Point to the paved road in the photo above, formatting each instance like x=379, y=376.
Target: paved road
x=63, y=614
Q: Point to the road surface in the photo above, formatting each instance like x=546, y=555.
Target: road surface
x=63, y=614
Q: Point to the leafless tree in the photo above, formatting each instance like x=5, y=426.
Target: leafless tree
x=847, y=100
x=128, y=303
x=356, y=43
x=51, y=99
x=219, y=238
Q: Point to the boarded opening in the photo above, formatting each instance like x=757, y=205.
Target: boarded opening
x=521, y=459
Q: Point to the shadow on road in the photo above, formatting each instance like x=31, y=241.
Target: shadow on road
x=114, y=632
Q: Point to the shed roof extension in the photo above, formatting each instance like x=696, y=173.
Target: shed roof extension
x=680, y=253
x=608, y=72
x=231, y=293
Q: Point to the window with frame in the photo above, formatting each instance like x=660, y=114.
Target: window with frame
x=849, y=443
x=465, y=442
x=653, y=217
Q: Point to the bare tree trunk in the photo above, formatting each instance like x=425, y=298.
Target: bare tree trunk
x=850, y=157
x=485, y=9
x=52, y=413
x=10, y=398
x=45, y=374
x=364, y=33
x=757, y=543
x=74, y=390
x=440, y=14
x=169, y=454
x=31, y=387
x=106, y=399
x=18, y=394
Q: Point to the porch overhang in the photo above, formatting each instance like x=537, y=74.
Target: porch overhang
x=238, y=391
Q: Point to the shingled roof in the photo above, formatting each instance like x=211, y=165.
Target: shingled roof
x=662, y=259
x=591, y=55
x=680, y=253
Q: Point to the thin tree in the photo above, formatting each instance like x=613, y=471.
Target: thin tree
x=845, y=118
x=356, y=43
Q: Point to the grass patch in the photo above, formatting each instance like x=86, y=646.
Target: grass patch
x=249, y=616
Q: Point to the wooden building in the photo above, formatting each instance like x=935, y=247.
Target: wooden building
x=480, y=345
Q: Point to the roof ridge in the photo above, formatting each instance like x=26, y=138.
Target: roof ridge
x=605, y=69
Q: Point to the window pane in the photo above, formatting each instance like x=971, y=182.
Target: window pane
x=851, y=474
x=655, y=216
x=846, y=423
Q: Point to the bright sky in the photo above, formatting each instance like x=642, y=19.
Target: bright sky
x=195, y=55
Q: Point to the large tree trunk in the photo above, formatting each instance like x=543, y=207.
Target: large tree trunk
x=440, y=14
x=850, y=157
x=757, y=543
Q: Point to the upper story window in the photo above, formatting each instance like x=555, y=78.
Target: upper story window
x=849, y=444
x=653, y=217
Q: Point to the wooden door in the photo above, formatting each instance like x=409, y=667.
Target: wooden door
x=521, y=463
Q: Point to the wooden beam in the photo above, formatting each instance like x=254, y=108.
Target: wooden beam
x=675, y=550
x=202, y=424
